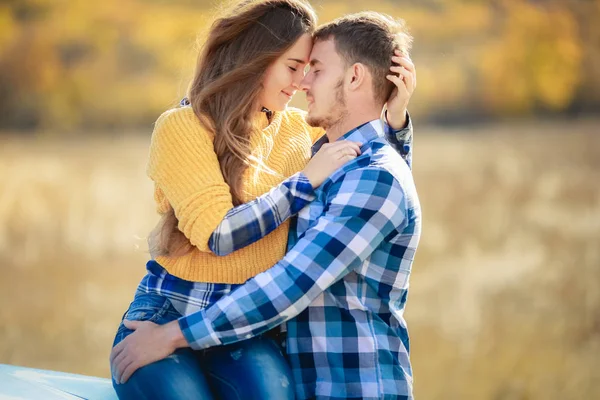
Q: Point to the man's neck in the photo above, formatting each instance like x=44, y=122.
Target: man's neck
x=351, y=121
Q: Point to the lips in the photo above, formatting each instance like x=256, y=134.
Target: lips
x=287, y=94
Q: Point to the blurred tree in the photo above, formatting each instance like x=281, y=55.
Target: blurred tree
x=72, y=64
x=534, y=63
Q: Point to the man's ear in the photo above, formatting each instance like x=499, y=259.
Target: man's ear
x=357, y=76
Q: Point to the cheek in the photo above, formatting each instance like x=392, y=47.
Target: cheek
x=277, y=79
x=320, y=89
x=269, y=79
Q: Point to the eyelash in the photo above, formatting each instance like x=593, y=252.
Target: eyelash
x=293, y=69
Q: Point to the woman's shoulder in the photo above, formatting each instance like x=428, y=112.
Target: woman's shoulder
x=180, y=121
x=177, y=114
x=179, y=138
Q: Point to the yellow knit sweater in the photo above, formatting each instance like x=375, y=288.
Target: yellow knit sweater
x=187, y=177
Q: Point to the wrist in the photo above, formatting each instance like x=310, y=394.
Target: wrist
x=305, y=178
x=311, y=179
x=397, y=123
x=175, y=335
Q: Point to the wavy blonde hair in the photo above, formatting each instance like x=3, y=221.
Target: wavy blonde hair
x=225, y=91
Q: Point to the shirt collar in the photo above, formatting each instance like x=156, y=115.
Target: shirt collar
x=362, y=134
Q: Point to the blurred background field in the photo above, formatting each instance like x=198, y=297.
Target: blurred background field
x=505, y=293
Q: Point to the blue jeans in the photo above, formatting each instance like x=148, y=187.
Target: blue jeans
x=252, y=369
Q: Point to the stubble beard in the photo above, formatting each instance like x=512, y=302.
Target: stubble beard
x=336, y=113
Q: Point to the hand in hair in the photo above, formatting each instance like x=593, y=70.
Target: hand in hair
x=404, y=76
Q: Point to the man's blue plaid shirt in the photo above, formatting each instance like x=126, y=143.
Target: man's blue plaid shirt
x=247, y=223
x=342, y=286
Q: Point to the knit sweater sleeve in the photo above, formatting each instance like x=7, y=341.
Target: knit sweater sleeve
x=184, y=165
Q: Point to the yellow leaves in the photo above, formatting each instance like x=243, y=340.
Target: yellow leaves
x=535, y=62
x=331, y=11
x=505, y=87
x=87, y=62
x=455, y=21
x=557, y=62
x=8, y=27
x=440, y=85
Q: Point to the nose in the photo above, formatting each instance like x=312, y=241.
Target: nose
x=305, y=84
x=297, y=81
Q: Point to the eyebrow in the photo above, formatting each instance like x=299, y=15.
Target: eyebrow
x=297, y=60
x=315, y=61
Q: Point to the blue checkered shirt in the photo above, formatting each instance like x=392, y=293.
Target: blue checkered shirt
x=242, y=225
x=245, y=224
x=344, y=279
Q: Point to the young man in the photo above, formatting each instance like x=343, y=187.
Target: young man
x=343, y=285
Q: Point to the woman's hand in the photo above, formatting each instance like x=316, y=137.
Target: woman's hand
x=404, y=76
x=329, y=158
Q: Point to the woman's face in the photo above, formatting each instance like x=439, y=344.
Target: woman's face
x=283, y=77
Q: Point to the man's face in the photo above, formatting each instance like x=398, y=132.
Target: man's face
x=324, y=86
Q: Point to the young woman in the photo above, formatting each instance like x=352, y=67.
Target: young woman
x=234, y=143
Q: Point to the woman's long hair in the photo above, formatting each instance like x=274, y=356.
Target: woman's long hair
x=225, y=91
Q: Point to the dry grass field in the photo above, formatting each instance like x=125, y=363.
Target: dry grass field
x=505, y=293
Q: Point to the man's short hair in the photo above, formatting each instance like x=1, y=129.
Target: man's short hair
x=369, y=38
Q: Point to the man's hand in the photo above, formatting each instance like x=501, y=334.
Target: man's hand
x=405, y=78
x=149, y=343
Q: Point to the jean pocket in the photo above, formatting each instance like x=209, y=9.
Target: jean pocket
x=147, y=307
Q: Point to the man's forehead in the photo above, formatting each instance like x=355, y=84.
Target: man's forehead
x=322, y=50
